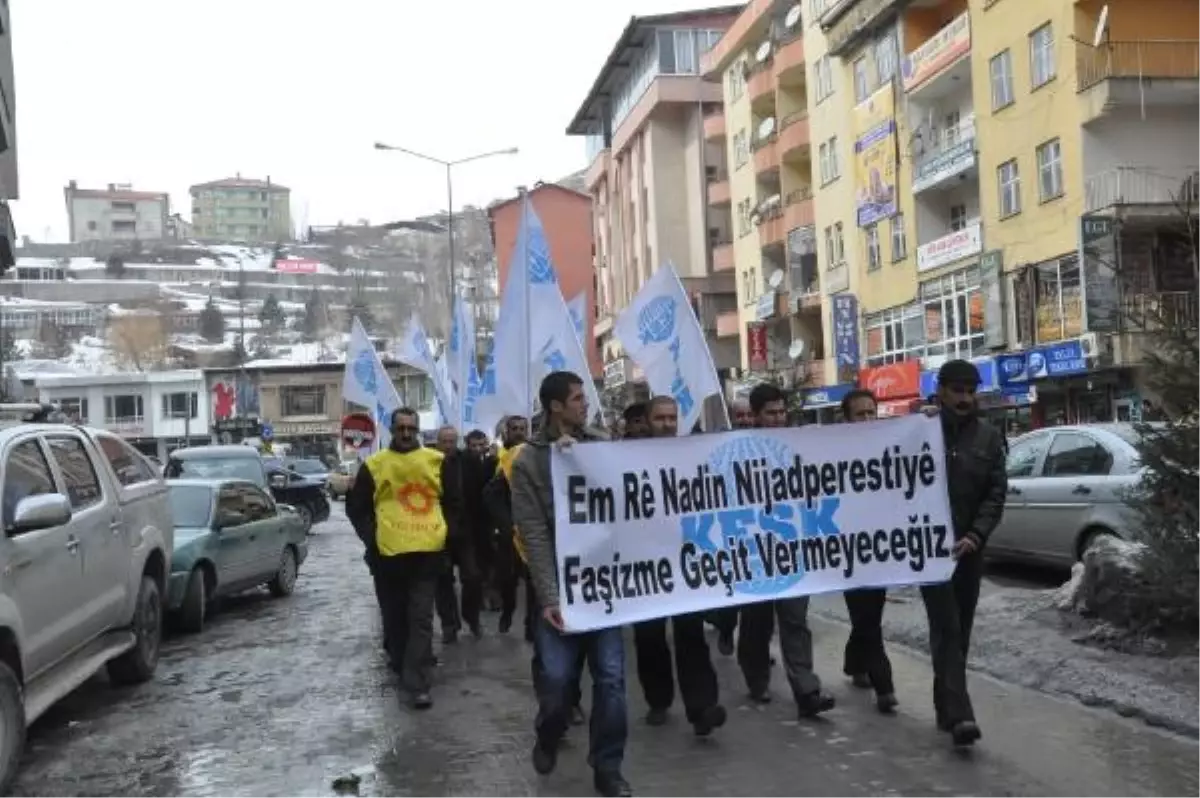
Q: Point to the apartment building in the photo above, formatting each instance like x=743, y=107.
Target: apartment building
x=9, y=186
x=651, y=169
x=116, y=213
x=760, y=65
x=242, y=209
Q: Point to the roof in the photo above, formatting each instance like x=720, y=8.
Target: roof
x=230, y=450
x=617, y=58
x=534, y=190
x=215, y=482
x=117, y=195
x=241, y=182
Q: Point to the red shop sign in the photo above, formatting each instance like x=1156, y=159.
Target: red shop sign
x=756, y=346
x=894, y=381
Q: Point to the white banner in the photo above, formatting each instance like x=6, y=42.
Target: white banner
x=654, y=528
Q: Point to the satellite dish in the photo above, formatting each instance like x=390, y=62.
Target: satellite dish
x=755, y=217
x=793, y=16
x=1101, y=27
x=776, y=279
x=763, y=52
x=796, y=349
x=766, y=127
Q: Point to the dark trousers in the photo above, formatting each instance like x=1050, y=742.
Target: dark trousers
x=405, y=585
x=697, y=679
x=950, y=608
x=462, y=556
x=755, y=629
x=557, y=664
x=864, y=649
x=508, y=570
x=724, y=620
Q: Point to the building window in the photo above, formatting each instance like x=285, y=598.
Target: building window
x=1002, y=79
x=823, y=77
x=899, y=242
x=124, y=226
x=1058, y=306
x=840, y=242
x=74, y=408
x=895, y=334
x=745, y=207
x=79, y=473
x=123, y=409
x=886, y=58
x=1009, y=178
x=741, y=148
x=92, y=226
x=828, y=161
x=953, y=312
x=1050, y=177
x=861, y=86
x=958, y=218
x=830, y=252
x=737, y=80
x=874, y=256
x=179, y=405
x=295, y=400
x=1041, y=56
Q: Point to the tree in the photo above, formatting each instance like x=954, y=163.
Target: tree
x=115, y=266
x=212, y=322
x=52, y=343
x=9, y=352
x=139, y=341
x=316, y=316
x=260, y=349
x=271, y=315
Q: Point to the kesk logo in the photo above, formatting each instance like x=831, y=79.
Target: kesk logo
x=364, y=371
x=416, y=498
x=540, y=270
x=656, y=321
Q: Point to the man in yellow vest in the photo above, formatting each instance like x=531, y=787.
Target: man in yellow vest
x=404, y=506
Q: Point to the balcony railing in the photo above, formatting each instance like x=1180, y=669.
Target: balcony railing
x=1140, y=185
x=942, y=140
x=1172, y=310
x=1178, y=59
x=793, y=118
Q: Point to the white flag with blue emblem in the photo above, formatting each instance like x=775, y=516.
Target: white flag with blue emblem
x=534, y=334
x=577, y=307
x=413, y=349
x=366, y=382
x=659, y=331
x=463, y=369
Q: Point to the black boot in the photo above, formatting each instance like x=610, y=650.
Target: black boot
x=611, y=784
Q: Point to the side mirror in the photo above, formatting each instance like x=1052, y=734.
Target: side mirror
x=41, y=512
x=227, y=520
x=278, y=479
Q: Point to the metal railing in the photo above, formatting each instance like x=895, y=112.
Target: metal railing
x=1174, y=309
x=798, y=195
x=1140, y=185
x=942, y=140
x=1178, y=59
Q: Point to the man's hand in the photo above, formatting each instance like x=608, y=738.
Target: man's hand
x=554, y=618
x=564, y=443
x=964, y=547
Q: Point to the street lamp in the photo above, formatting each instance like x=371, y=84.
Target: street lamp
x=449, y=166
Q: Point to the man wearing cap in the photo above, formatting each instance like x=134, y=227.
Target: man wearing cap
x=976, y=483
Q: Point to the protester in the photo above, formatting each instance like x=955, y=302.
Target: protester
x=697, y=679
x=404, y=506
x=976, y=483
x=636, y=425
x=477, y=469
x=866, y=661
x=769, y=405
x=449, y=616
x=557, y=651
x=726, y=620
x=510, y=557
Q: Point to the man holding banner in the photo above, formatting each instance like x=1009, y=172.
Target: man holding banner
x=557, y=649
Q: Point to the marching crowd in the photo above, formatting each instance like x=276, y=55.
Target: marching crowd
x=423, y=513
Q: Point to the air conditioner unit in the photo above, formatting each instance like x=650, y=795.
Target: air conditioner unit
x=711, y=172
x=1090, y=344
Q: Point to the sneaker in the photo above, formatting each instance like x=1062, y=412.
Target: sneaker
x=725, y=643
x=656, y=716
x=713, y=717
x=814, y=704
x=886, y=703
x=611, y=784
x=421, y=700
x=544, y=758
x=577, y=716
x=965, y=733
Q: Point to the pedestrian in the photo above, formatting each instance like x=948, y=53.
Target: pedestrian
x=697, y=679
x=460, y=555
x=557, y=650
x=866, y=661
x=477, y=470
x=769, y=405
x=976, y=484
x=404, y=506
x=510, y=556
x=636, y=425
x=726, y=620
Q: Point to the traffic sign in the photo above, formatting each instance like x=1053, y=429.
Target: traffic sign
x=268, y=432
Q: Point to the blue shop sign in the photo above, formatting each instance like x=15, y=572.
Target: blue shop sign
x=1060, y=360
x=988, y=380
x=1013, y=368
x=830, y=395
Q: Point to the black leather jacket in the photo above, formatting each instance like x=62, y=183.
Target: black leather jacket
x=977, y=480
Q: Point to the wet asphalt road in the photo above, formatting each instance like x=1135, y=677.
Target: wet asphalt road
x=282, y=696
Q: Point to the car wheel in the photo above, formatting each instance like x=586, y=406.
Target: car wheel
x=284, y=581
x=195, y=603
x=138, y=663
x=12, y=726
x=306, y=517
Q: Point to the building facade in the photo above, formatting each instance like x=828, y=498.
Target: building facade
x=116, y=213
x=9, y=184
x=242, y=209
x=650, y=172
x=566, y=215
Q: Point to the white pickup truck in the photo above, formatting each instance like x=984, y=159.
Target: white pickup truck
x=84, y=561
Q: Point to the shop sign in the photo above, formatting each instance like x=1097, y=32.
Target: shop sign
x=1060, y=360
x=287, y=429
x=894, y=381
x=944, y=165
x=296, y=266
x=957, y=245
x=756, y=346
x=845, y=335
x=1098, y=256
x=1012, y=368
x=828, y=396
x=764, y=308
x=988, y=379
x=940, y=51
x=245, y=426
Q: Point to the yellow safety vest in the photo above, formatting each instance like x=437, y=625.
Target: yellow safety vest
x=408, y=501
x=505, y=466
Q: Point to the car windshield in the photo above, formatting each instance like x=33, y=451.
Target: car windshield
x=248, y=468
x=190, y=505
x=308, y=466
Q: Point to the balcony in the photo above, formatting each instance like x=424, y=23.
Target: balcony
x=809, y=374
x=837, y=278
x=766, y=157
x=132, y=426
x=722, y=257
x=794, y=141
x=760, y=87
x=714, y=126
x=952, y=247
x=1173, y=310
x=798, y=209
x=771, y=229
x=1135, y=75
x=932, y=68
x=1140, y=185
x=950, y=155
x=729, y=325
x=788, y=64
x=719, y=193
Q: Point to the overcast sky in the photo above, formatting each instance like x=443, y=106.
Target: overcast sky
x=165, y=93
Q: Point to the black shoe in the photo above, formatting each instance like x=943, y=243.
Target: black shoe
x=450, y=637
x=760, y=695
x=860, y=680
x=713, y=717
x=814, y=704
x=656, y=716
x=965, y=733
x=544, y=758
x=886, y=703
x=611, y=784
x=505, y=622
x=577, y=716
x=421, y=700
x=476, y=630
x=725, y=643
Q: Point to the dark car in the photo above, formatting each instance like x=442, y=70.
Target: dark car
x=243, y=462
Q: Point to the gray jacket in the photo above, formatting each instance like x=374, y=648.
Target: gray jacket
x=533, y=509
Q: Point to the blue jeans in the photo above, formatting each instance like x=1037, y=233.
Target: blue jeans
x=557, y=657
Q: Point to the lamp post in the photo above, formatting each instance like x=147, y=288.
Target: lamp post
x=449, y=167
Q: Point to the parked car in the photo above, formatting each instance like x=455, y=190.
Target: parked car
x=1066, y=488
x=312, y=468
x=342, y=479
x=244, y=462
x=83, y=569
x=230, y=536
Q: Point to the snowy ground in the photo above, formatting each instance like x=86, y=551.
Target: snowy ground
x=1020, y=637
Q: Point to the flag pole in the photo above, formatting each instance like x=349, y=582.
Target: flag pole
x=707, y=351
x=526, y=331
